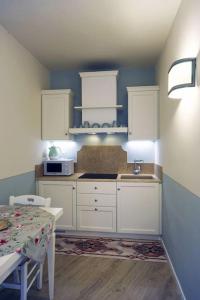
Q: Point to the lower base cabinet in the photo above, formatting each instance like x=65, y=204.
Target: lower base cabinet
x=62, y=194
x=138, y=208
x=95, y=206
x=98, y=218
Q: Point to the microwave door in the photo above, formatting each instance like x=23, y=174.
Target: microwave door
x=54, y=168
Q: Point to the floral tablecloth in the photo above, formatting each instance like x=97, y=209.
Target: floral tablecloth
x=29, y=231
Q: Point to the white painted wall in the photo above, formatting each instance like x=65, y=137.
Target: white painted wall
x=180, y=120
x=22, y=78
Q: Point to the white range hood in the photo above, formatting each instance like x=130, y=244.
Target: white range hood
x=99, y=96
x=99, y=102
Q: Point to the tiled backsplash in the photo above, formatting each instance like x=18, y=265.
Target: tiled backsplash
x=106, y=159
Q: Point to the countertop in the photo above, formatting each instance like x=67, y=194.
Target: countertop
x=75, y=177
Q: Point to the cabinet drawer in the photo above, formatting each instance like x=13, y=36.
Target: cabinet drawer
x=96, y=199
x=96, y=218
x=96, y=187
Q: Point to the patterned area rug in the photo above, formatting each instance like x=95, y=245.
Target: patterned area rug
x=107, y=247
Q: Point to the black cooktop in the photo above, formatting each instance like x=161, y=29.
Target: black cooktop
x=98, y=176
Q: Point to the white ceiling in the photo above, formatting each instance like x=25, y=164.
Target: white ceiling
x=74, y=33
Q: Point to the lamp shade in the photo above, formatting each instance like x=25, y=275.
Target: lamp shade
x=181, y=75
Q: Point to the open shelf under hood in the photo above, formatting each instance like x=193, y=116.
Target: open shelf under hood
x=99, y=107
x=107, y=130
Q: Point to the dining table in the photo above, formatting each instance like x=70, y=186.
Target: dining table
x=9, y=262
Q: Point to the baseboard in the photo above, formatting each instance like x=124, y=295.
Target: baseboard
x=173, y=270
x=109, y=234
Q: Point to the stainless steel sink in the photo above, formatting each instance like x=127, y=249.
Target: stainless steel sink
x=132, y=176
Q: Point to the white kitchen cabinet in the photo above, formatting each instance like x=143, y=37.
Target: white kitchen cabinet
x=95, y=218
x=143, y=113
x=96, y=206
x=56, y=114
x=62, y=194
x=138, y=208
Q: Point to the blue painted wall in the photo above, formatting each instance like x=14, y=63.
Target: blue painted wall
x=127, y=77
x=181, y=234
x=17, y=185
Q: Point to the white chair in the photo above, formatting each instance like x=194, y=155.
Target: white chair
x=21, y=282
x=30, y=200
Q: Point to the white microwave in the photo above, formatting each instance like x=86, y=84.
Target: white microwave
x=63, y=167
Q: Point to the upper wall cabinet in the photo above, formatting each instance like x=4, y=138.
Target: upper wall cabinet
x=56, y=114
x=143, y=113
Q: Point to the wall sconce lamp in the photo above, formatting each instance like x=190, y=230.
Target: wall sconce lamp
x=181, y=75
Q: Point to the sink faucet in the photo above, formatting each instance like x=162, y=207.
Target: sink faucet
x=137, y=166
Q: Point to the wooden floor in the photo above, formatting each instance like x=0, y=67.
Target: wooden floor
x=91, y=278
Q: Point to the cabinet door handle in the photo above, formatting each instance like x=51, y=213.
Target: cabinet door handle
x=95, y=200
x=118, y=189
x=73, y=188
x=96, y=188
x=66, y=133
x=96, y=209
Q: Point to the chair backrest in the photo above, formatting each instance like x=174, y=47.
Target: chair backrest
x=30, y=200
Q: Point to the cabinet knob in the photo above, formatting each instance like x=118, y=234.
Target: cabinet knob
x=66, y=133
x=95, y=200
x=73, y=188
x=96, y=209
x=96, y=188
x=118, y=189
